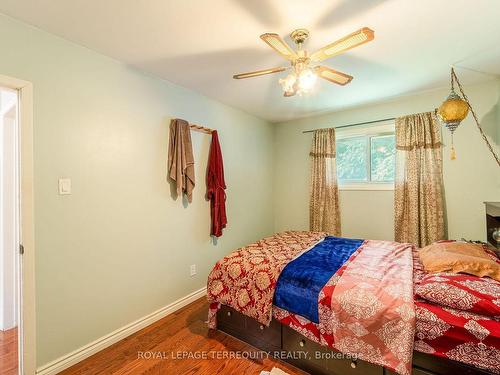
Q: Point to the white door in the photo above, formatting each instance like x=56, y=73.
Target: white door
x=17, y=307
x=9, y=204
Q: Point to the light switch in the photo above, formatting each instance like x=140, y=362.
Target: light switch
x=64, y=186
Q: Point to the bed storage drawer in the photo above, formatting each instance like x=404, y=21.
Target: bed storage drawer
x=262, y=337
x=321, y=359
x=230, y=321
x=307, y=355
x=426, y=364
x=249, y=330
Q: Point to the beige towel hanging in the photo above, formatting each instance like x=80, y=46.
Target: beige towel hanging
x=180, y=158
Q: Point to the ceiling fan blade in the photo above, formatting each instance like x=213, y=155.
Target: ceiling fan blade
x=333, y=75
x=355, y=39
x=279, y=45
x=259, y=72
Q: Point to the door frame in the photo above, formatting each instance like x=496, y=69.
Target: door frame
x=27, y=317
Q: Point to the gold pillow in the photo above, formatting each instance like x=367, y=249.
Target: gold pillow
x=459, y=257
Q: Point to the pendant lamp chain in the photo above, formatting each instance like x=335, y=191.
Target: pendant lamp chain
x=454, y=78
x=453, y=155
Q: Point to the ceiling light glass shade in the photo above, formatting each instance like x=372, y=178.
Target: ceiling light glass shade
x=453, y=111
x=288, y=84
x=306, y=81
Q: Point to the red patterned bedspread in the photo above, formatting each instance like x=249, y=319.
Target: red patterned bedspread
x=366, y=309
x=373, y=319
x=442, y=331
x=459, y=335
x=246, y=279
x=463, y=336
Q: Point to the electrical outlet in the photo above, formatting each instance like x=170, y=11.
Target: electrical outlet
x=193, y=270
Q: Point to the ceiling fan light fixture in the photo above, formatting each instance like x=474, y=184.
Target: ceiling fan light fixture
x=288, y=84
x=307, y=79
x=299, y=82
x=305, y=71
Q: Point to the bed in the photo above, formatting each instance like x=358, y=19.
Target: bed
x=365, y=309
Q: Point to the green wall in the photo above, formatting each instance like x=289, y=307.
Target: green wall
x=120, y=247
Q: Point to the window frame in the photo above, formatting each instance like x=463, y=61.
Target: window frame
x=380, y=129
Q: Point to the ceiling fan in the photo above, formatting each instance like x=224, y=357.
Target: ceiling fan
x=304, y=75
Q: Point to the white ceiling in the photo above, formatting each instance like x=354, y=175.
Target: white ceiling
x=200, y=44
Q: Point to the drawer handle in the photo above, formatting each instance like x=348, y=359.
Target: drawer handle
x=261, y=327
x=302, y=343
x=353, y=364
x=229, y=313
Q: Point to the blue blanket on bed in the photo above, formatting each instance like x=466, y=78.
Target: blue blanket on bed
x=301, y=281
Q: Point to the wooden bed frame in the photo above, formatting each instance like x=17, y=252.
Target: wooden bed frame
x=321, y=360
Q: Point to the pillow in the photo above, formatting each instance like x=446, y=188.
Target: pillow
x=458, y=257
x=462, y=292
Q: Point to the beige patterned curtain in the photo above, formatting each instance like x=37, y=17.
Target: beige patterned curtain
x=418, y=198
x=324, y=213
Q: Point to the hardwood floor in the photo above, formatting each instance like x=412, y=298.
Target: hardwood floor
x=158, y=349
x=8, y=352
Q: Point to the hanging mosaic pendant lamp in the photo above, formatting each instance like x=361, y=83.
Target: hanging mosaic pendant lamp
x=453, y=110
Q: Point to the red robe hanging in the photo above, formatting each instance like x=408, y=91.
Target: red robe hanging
x=216, y=186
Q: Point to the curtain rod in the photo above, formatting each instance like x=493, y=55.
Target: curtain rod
x=359, y=123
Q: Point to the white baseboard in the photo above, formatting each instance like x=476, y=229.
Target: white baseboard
x=86, y=351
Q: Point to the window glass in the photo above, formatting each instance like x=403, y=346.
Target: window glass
x=352, y=160
x=383, y=154
x=366, y=159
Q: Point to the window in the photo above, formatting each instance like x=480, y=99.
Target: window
x=382, y=158
x=366, y=158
